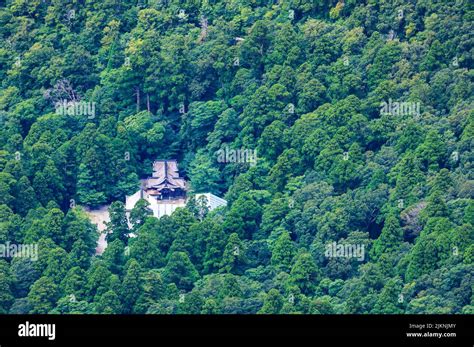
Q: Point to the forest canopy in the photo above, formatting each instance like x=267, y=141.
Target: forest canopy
x=358, y=116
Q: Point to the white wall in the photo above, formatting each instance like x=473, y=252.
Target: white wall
x=162, y=207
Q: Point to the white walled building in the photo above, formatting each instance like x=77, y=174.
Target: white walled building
x=213, y=201
x=165, y=191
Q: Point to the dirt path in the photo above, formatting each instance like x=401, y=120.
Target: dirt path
x=99, y=217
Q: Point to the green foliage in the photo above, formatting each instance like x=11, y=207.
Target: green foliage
x=305, y=94
x=139, y=213
x=117, y=228
x=304, y=273
x=273, y=303
x=390, y=239
x=131, y=285
x=43, y=295
x=180, y=271
x=283, y=252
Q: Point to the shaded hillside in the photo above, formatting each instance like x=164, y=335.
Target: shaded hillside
x=360, y=115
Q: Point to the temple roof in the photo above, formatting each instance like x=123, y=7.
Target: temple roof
x=165, y=175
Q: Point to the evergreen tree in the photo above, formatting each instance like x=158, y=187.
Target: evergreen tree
x=273, y=303
x=390, y=238
x=283, y=252
x=43, y=295
x=180, y=271
x=131, y=286
x=234, y=255
x=117, y=228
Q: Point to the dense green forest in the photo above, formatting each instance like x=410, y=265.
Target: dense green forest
x=360, y=113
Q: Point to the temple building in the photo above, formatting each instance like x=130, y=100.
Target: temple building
x=165, y=183
x=165, y=191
